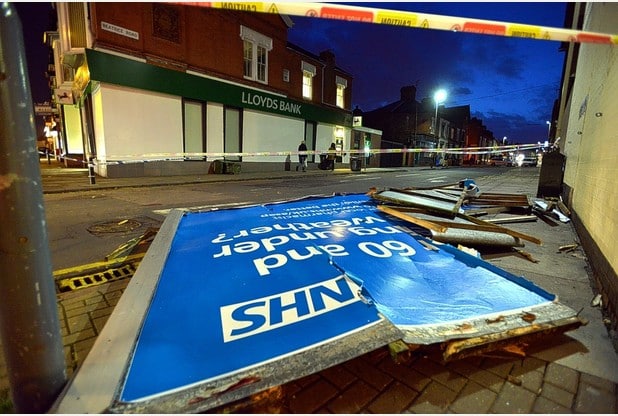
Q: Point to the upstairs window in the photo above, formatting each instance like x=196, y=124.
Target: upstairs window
x=248, y=59
x=76, y=30
x=255, y=54
x=309, y=72
x=342, y=84
x=262, y=63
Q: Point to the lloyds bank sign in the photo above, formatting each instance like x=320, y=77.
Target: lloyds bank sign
x=118, y=70
x=269, y=103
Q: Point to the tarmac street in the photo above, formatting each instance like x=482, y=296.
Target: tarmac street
x=574, y=372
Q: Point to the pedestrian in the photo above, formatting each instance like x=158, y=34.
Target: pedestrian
x=332, y=151
x=302, y=158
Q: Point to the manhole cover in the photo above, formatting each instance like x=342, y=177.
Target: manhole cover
x=119, y=226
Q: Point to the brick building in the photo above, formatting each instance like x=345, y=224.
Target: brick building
x=408, y=123
x=478, y=136
x=158, y=88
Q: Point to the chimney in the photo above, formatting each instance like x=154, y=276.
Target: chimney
x=328, y=57
x=408, y=93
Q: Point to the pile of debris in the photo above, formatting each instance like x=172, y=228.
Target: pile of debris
x=454, y=214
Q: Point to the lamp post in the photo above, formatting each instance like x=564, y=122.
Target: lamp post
x=548, y=129
x=439, y=97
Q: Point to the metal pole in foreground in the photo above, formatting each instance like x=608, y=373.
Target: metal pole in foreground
x=29, y=324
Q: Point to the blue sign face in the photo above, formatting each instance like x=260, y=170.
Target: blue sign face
x=246, y=286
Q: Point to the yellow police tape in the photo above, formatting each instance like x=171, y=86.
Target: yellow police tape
x=414, y=20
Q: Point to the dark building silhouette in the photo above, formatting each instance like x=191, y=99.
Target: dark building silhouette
x=408, y=123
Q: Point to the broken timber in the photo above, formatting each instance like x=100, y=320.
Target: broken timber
x=418, y=205
x=440, y=227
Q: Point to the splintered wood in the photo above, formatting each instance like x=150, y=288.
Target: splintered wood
x=450, y=214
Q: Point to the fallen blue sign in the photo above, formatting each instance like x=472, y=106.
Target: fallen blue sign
x=252, y=297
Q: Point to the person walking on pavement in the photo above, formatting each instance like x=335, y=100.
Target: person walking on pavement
x=332, y=150
x=302, y=158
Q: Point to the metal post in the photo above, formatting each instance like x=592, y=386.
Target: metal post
x=91, y=175
x=29, y=324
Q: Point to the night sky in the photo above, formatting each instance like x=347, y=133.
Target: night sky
x=509, y=83
x=36, y=18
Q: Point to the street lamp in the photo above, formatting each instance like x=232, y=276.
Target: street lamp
x=439, y=97
x=548, y=129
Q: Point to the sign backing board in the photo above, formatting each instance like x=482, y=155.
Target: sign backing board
x=253, y=297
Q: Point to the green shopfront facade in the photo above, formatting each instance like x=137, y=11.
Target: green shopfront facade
x=146, y=120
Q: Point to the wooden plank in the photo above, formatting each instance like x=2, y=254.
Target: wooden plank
x=441, y=226
x=512, y=200
x=485, y=210
x=423, y=223
x=508, y=231
x=516, y=218
x=474, y=346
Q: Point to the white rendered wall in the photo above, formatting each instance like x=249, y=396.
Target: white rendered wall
x=592, y=134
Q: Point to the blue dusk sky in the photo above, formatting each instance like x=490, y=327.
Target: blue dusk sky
x=509, y=83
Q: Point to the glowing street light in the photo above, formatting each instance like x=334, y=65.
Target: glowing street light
x=548, y=129
x=439, y=97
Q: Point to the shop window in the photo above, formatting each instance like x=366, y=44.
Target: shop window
x=194, y=129
x=310, y=138
x=232, y=133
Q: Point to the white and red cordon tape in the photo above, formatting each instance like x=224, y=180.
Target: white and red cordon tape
x=154, y=157
x=415, y=20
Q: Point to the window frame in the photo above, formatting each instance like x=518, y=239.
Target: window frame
x=255, y=66
x=341, y=85
x=186, y=104
x=307, y=85
x=309, y=71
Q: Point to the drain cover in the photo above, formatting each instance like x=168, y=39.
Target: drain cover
x=119, y=226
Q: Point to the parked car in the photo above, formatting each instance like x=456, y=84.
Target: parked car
x=500, y=161
x=526, y=160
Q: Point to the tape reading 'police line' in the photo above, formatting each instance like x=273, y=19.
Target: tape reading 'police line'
x=414, y=19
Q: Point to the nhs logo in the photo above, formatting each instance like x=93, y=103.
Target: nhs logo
x=249, y=318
